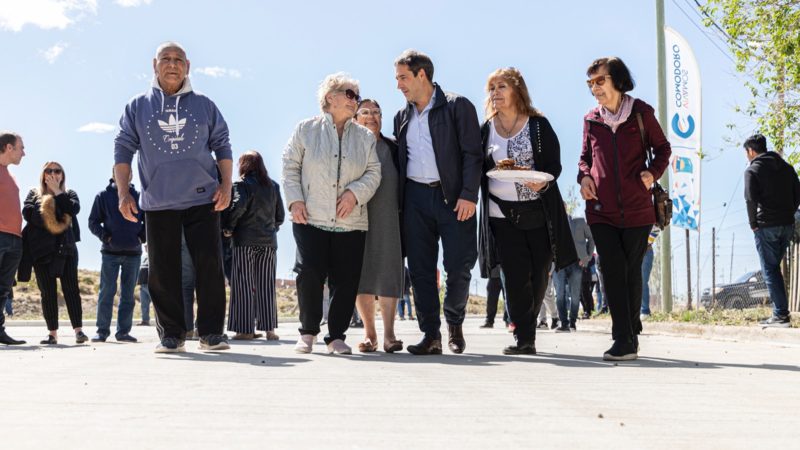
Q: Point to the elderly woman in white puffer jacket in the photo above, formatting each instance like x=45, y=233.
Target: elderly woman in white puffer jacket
x=330, y=171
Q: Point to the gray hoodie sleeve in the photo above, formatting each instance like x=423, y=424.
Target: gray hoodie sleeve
x=218, y=135
x=127, y=141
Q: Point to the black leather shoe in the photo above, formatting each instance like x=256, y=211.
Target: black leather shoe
x=520, y=349
x=8, y=340
x=81, y=337
x=455, y=339
x=427, y=346
x=487, y=324
x=51, y=340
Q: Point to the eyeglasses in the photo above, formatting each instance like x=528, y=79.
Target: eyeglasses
x=364, y=112
x=352, y=95
x=53, y=171
x=598, y=80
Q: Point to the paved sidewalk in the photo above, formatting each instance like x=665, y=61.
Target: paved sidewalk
x=682, y=393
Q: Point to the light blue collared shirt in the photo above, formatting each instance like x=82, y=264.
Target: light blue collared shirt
x=421, y=158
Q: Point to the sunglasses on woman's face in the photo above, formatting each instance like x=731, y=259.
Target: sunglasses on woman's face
x=352, y=95
x=598, y=80
x=53, y=171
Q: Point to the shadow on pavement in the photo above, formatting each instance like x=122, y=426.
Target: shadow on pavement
x=241, y=358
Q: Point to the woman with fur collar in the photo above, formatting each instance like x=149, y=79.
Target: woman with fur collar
x=49, y=240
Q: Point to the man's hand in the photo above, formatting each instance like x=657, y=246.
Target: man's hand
x=647, y=179
x=127, y=206
x=345, y=204
x=299, y=213
x=588, y=189
x=222, y=198
x=464, y=209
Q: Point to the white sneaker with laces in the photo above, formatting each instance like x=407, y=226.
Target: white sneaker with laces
x=337, y=346
x=305, y=343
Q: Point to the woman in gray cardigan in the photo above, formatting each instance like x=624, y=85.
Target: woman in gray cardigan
x=330, y=172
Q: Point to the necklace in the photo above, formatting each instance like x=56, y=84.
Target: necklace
x=507, y=133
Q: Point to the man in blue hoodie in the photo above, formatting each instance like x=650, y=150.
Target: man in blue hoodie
x=122, y=251
x=175, y=130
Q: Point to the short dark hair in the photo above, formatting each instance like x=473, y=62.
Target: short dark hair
x=369, y=100
x=416, y=60
x=620, y=75
x=756, y=143
x=7, y=137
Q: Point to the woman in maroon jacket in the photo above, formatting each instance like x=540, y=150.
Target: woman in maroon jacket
x=615, y=181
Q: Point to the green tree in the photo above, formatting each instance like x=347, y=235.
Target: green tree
x=764, y=38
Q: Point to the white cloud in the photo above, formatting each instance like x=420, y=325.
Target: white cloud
x=218, y=72
x=97, y=127
x=132, y=3
x=47, y=14
x=52, y=53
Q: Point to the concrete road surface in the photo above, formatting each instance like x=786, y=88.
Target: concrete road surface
x=682, y=393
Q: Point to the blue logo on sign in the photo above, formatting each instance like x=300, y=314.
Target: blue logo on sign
x=679, y=130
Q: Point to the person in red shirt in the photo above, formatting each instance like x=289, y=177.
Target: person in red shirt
x=12, y=150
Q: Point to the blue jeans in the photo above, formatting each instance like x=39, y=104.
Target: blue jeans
x=144, y=298
x=187, y=284
x=10, y=255
x=568, y=277
x=9, y=306
x=771, y=243
x=647, y=267
x=402, y=305
x=109, y=272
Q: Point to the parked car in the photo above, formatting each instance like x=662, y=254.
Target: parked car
x=748, y=291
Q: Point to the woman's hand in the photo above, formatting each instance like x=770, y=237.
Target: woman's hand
x=588, y=189
x=53, y=184
x=536, y=187
x=647, y=179
x=299, y=213
x=345, y=204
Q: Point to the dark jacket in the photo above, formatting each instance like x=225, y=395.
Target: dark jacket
x=455, y=134
x=118, y=235
x=50, y=233
x=546, y=158
x=615, y=160
x=255, y=214
x=771, y=191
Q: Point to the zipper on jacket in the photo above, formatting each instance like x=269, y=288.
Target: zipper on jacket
x=618, y=180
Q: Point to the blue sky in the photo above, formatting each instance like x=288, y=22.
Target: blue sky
x=69, y=67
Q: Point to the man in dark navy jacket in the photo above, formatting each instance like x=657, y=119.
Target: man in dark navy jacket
x=122, y=251
x=439, y=151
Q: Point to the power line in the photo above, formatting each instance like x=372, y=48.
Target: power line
x=703, y=32
x=713, y=22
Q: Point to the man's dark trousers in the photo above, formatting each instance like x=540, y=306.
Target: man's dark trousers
x=426, y=218
x=201, y=226
x=10, y=256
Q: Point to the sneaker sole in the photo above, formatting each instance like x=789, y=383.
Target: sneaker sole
x=213, y=348
x=302, y=350
x=628, y=357
x=170, y=350
x=777, y=325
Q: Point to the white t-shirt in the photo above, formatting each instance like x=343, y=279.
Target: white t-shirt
x=518, y=148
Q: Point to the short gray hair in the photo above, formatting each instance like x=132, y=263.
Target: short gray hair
x=170, y=45
x=333, y=82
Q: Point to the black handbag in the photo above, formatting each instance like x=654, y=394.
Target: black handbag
x=661, y=201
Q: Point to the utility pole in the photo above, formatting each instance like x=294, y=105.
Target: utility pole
x=666, y=242
x=730, y=274
x=713, y=267
x=688, y=272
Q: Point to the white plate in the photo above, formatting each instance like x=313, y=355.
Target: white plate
x=520, y=176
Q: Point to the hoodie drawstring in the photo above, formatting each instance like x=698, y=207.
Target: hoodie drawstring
x=177, y=119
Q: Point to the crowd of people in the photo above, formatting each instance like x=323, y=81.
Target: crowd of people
x=360, y=204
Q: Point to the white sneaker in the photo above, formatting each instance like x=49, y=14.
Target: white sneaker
x=305, y=344
x=337, y=346
x=644, y=317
